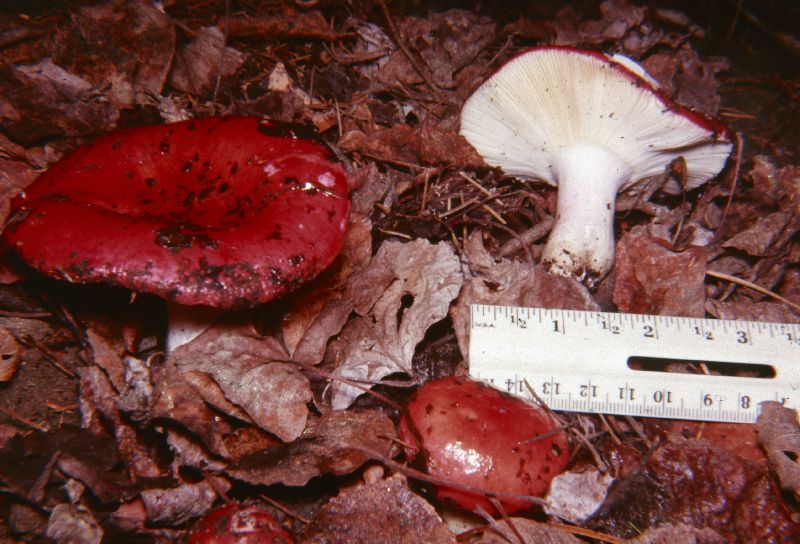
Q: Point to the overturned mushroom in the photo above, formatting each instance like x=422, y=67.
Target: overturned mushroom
x=593, y=125
x=223, y=212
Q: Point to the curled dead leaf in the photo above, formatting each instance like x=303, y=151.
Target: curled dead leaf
x=9, y=355
x=415, y=283
x=384, y=511
x=335, y=444
x=779, y=434
x=652, y=279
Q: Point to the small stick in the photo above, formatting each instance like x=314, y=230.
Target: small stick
x=475, y=182
x=753, y=286
x=27, y=422
x=49, y=357
x=25, y=315
x=285, y=509
x=406, y=51
x=737, y=166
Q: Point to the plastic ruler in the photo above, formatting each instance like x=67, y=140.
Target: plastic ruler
x=615, y=363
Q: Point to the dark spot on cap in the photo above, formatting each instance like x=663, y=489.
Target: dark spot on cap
x=205, y=193
x=183, y=236
x=276, y=276
x=150, y=182
x=163, y=146
x=187, y=166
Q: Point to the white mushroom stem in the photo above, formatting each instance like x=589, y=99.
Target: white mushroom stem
x=185, y=323
x=581, y=243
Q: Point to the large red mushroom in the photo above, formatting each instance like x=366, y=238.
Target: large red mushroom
x=226, y=212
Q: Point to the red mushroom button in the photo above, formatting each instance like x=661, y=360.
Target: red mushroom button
x=226, y=212
x=474, y=435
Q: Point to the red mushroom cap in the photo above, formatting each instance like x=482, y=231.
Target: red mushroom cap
x=223, y=211
x=239, y=524
x=475, y=435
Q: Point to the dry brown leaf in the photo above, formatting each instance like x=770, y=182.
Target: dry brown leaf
x=779, y=434
x=69, y=524
x=618, y=17
x=177, y=505
x=178, y=400
x=99, y=398
x=320, y=310
x=107, y=358
x=651, y=279
x=336, y=444
x=385, y=511
x=759, y=240
x=423, y=279
x=125, y=47
x=18, y=168
x=239, y=363
x=426, y=145
x=531, y=531
x=199, y=63
x=9, y=355
x=702, y=484
x=773, y=186
x=441, y=43
x=575, y=495
x=513, y=283
x=678, y=533
x=43, y=100
x=768, y=312
x=311, y=24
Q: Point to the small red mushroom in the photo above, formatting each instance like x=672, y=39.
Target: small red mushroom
x=226, y=212
x=472, y=434
x=239, y=524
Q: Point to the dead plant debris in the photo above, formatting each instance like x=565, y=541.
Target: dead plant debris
x=293, y=406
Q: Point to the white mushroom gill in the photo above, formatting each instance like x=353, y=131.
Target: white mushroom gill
x=593, y=127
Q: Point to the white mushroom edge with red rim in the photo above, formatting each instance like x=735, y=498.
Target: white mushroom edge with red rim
x=593, y=125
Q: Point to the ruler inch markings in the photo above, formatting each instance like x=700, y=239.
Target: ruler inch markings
x=575, y=359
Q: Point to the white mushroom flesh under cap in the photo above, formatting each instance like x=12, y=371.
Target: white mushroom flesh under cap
x=592, y=126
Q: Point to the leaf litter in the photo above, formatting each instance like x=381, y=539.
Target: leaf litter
x=119, y=439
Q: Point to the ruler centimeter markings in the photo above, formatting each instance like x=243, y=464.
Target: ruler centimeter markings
x=611, y=363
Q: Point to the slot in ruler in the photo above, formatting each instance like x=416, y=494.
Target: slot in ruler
x=601, y=362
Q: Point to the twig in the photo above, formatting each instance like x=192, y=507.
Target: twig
x=49, y=357
x=637, y=428
x=534, y=233
x=352, y=383
x=737, y=166
x=475, y=183
x=285, y=509
x=406, y=51
x=753, y=286
x=25, y=315
x=396, y=233
x=496, y=526
x=221, y=62
x=587, y=533
x=27, y=422
x=423, y=477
